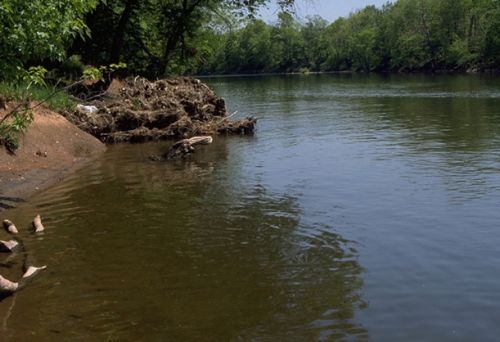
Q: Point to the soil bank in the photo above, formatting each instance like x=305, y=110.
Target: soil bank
x=50, y=149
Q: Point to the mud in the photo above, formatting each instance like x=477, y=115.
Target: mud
x=50, y=149
x=137, y=110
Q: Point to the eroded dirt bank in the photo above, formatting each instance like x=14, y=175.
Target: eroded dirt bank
x=137, y=110
x=51, y=148
x=133, y=110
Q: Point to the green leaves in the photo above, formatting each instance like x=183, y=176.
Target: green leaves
x=35, y=76
x=10, y=129
x=97, y=74
x=40, y=29
x=404, y=35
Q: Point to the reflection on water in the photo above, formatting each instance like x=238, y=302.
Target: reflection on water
x=365, y=207
x=167, y=250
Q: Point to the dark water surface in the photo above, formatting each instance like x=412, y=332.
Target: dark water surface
x=364, y=208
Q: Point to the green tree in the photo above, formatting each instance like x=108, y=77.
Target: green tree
x=152, y=35
x=312, y=35
x=288, y=46
x=38, y=30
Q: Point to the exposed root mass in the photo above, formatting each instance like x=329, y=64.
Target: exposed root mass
x=138, y=110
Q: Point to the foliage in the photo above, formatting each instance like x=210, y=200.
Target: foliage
x=159, y=37
x=30, y=87
x=53, y=97
x=155, y=37
x=9, y=130
x=98, y=74
x=38, y=30
x=406, y=35
x=35, y=76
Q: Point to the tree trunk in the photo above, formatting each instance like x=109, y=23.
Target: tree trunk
x=176, y=36
x=119, y=36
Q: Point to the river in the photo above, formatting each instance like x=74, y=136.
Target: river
x=364, y=208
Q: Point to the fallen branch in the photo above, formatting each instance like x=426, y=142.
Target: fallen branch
x=185, y=147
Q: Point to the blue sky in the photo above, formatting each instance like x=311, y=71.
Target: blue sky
x=328, y=9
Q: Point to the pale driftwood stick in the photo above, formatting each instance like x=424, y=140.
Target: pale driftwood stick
x=8, y=287
x=8, y=246
x=10, y=227
x=229, y=116
x=37, y=224
x=201, y=140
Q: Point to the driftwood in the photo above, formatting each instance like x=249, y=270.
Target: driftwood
x=8, y=246
x=37, y=224
x=8, y=287
x=183, y=148
x=10, y=227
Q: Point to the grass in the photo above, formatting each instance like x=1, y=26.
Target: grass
x=57, y=101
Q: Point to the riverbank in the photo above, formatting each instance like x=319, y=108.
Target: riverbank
x=133, y=110
x=51, y=148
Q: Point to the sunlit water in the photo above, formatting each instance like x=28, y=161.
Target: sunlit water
x=364, y=208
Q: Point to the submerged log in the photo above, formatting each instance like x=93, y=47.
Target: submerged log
x=37, y=224
x=8, y=287
x=10, y=227
x=8, y=246
x=183, y=148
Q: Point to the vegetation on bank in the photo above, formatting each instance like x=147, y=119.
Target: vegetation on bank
x=68, y=36
x=152, y=36
x=52, y=97
x=159, y=37
x=402, y=36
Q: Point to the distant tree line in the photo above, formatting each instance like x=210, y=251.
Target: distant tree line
x=403, y=36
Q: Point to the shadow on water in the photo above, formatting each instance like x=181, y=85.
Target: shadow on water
x=192, y=250
x=13, y=200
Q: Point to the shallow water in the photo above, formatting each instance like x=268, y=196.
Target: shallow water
x=364, y=208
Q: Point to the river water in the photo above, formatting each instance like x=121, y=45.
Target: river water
x=364, y=208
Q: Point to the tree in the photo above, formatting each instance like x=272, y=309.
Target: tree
x=311, y=32
x=288, y=45
x=37, y=30
x=157, y=31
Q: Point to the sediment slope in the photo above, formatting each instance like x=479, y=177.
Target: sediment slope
x=50, y=148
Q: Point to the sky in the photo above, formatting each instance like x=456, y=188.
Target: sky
x=328, y=9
